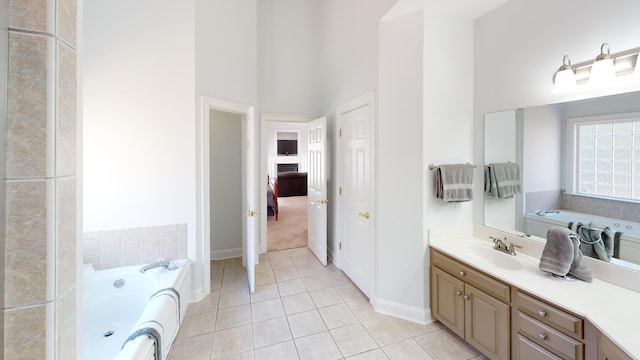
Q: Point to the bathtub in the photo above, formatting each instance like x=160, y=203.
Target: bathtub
x=538, y=225
x=114, y=300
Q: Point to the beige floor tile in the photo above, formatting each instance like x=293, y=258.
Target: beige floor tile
x=209, y=303
x=441, y=345
x=363, y=310
x=306, y=323
x=235, y=283
x=263, y=257
x=337, y=316
x=310, y=270
x=415, y=329
x=297, y=303
x=232, y=317
x=232, y=341
x=216, y=284
x=316, y=282
x=263, y=266
x=197, y=324
x=291, y=287
x=385, y=330
x=234, y=270
x=278, y=255
x=406, y=350
x=353, y=339
x=193, y=348
x=282, y=351
x=318, y=347
x=271, y=332
x=305, y=260
x=350, y=293
x=376, y=354
x=247, y=355
x=234, y=298
x=286, y=274
x=338, y=278
x=265, y=310
x=264, y=278
x=284, y=263
x=301, y=251
x=326, y=297
x=265, y=292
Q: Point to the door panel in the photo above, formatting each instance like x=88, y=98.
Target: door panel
x=486, y=323
x=447, y=304
x=356, y=201
x=251, y=223
x=317, y=189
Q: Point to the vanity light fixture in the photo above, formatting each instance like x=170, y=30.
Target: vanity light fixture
x=607, y=70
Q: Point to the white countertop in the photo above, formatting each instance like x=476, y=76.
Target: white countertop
x=612, y=309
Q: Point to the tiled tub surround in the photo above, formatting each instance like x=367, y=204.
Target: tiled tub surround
x=554, y=199
x=123, y=247
x=41, y=152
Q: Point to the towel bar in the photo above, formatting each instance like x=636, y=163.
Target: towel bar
x=433, y=167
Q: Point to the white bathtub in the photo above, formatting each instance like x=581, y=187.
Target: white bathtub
x=113, y=301
x=538, y=225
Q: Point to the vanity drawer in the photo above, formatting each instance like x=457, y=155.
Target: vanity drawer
x=471, y=276
x=557, y=318
x=550, y=338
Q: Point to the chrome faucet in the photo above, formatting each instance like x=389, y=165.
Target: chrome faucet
x=162, y=263
x=501, y=245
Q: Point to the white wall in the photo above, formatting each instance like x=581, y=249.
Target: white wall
x=289, y=56
x=542, y=149
x=520, y=45
x=139, y=159
x=425, y=107
x=226, y=191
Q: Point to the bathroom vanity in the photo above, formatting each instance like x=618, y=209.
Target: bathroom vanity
x=506, y=308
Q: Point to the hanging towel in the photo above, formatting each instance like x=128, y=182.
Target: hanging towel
x=503, y=180
x=160, y=321
x=454, y=182
x=561, y=255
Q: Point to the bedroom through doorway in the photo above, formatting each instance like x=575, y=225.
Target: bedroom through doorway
x=291, y=229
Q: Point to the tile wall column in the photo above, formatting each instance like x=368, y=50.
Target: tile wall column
x=40, y=254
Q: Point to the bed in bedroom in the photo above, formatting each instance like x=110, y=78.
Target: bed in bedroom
x=272, y=198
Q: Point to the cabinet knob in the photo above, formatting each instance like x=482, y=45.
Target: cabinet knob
x=462, y=273
x=542, y=336
x=542, y=313
x=458, y=293
x=466, y=297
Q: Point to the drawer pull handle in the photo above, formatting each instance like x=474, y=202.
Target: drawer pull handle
x=542, y=313
x=542, y=336
x=466, y=297
x=458, y=293
x=462, y=273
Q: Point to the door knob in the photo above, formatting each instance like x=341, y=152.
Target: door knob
x=364, y=215
x=251, y=213
x=323, y=201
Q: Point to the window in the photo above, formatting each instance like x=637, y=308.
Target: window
x=606, y=156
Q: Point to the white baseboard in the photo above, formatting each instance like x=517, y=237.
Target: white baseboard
x=226, y=254
x=410, y=313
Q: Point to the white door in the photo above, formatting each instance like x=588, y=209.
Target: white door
x=317, y=189
x=355, y=216
x=251, y=203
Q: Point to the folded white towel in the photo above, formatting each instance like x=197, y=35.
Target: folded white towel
x=561, y=254
x=160, y=321
x=454, y=182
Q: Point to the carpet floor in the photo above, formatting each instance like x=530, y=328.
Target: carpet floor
x=290, y=231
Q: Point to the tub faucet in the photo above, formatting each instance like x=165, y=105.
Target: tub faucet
x=163, y=263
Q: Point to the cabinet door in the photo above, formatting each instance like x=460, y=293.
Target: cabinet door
x=607, y=350
x=447, y=304
x=486, y=323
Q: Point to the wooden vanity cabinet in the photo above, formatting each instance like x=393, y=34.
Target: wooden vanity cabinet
x=607, y=350
x=472, y=305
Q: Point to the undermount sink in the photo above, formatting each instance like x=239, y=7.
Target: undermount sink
x=486, y=253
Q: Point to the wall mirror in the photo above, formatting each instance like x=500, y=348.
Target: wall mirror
x=536, y=139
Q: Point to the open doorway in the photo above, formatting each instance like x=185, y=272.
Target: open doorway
x=286, y=164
